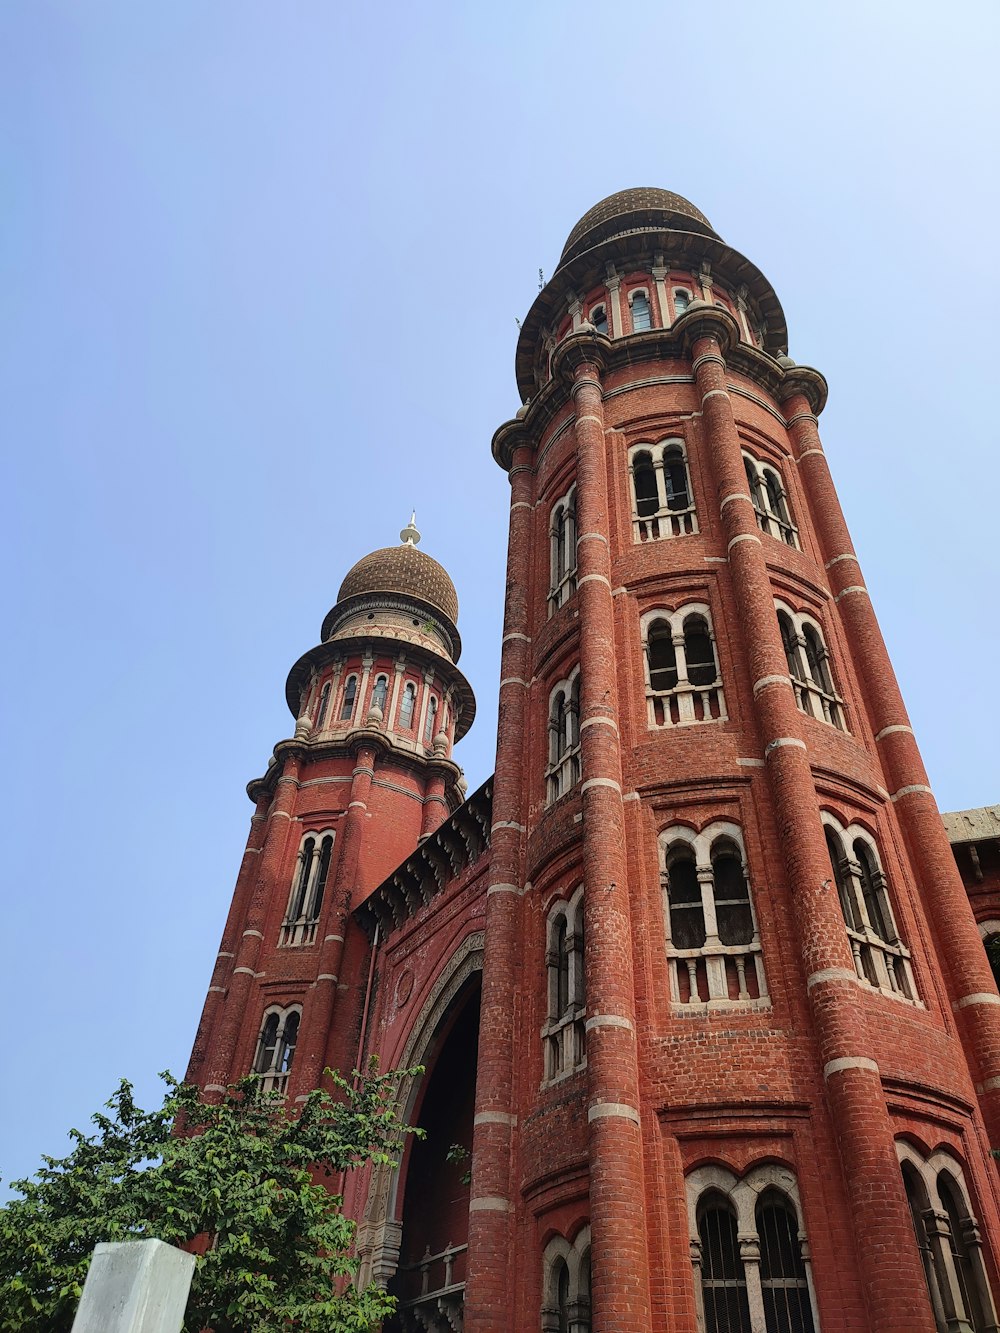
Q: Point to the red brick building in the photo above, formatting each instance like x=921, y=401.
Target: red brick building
x=695, y=976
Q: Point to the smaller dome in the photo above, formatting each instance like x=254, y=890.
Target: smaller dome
x=633, y=210
x=406, y=572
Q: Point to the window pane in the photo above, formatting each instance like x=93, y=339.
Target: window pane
x=662, y=657
x=687, y=915
x=732, y=899
x=787, y=1308
x=675, y=476
x=647, y=501
x=640, y=313
x=723, y=1282
x=698, y=652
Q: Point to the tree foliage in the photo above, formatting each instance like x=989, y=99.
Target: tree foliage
x=244, y=1179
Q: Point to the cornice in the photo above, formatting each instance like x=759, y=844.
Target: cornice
x=776, y=376
x=347, y=746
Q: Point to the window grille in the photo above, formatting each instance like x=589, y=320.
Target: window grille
x=713, y=951
x=305, y=901
x=562, y=545
x=683, y=682
x=662, y=504
x=770, y=501
x=563, y=770
x=563, y=1035
x=809, y=668
x=276, y=1048
x=880, y=956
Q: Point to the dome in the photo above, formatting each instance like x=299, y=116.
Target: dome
x=633, y=210
x=405, y=571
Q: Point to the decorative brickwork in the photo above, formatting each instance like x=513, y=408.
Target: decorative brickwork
x=738, y=1056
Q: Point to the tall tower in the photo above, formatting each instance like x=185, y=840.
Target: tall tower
x=694, y=977
x=368, y=775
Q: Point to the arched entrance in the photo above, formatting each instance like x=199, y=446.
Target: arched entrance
x=434, y=1178
x=420, y=1209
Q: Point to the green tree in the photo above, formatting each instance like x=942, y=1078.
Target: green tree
x=244, y=1176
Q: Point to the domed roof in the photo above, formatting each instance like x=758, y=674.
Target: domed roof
x=632, y=210
x=405, y=571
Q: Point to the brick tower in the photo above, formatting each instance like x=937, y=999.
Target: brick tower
x=695, y=976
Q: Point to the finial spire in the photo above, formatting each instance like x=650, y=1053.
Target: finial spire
x=410, y=536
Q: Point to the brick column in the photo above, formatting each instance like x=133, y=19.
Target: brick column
x=619, y=1251
x=890, y=1266
x=224, y=960
x=317, y=1012
x=489, y=1281
x=271, y=863
x=435, y=810
x=973, y=989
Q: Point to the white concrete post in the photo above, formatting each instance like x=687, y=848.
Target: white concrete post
x=138, y=1286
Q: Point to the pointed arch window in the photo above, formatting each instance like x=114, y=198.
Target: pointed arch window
x=641, y=314
x=305, y=900
x=599, y=319
x=566, y=1285
x=662, y=503
x=563, y=770
x=324, y=704
x=408, y=705
x=770, y=500
x=562, y=548
x=563, y=1030
x=682, y=299
x=380, y=693
x=276, y=1047
x=432, y=708
x=347, y=703
x=880, y=956
x=809, y=667
x=713, y=947
x=949, y=1241
x=748, y=1251
x=683, y=682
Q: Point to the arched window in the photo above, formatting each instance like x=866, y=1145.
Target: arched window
x=661, y=492
x=324, y=704
x=563, y=771
x=408, y=704
x=379, y=694
x=948, y=1239
x=683, y=682
x=562, y=543
x=305, y=901
x=276, y=1048
x=880, y=956
x=991, y=943
x=432, y=709
x=641, y=318
x=783, y=1280
x=599, y=319
x=566, y=1285
x=713, y=949
x=747, y=1251
x=563, y=1030
x=682, y=299
x=350, y=694
x=723, y=1280
x=809, y=667
x=770, y=502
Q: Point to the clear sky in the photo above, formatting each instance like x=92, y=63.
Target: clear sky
x=260, y=266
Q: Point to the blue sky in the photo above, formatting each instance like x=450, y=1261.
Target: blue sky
x=259, y=270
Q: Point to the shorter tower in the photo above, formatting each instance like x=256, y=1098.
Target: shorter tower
x=368, y=775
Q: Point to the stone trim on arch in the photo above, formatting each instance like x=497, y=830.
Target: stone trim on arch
x=381, y=1232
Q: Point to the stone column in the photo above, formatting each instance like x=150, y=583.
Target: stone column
x=972, y=987
x=269, y=876
x=619, y=1254
x=896, y=1292
x=490, y=1280
x=318, y=1009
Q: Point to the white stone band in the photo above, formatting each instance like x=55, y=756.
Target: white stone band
x=837, y=559
x=831, y=974
x=750, y=763
x=214, y=1087
x=219, y=990
x=599, y=577
x=608, y=1021
x=602, y=782
x=592, y=537
x=600, y=722
x=522, y=638
x=505, y=823
x=494, y=1118
x=806, y=452
x=888, y=731
x=846, y=592
x=908, y=791
x=612, y=1110
x=490, y=1204
x=503, y=888
x=513, y=680
x=248, y=970
x=766, y=681
x=783, y=740
x=980, y=997
x=736, y=495
x=327, y=939
x=743, y=537
x=849, y=1062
